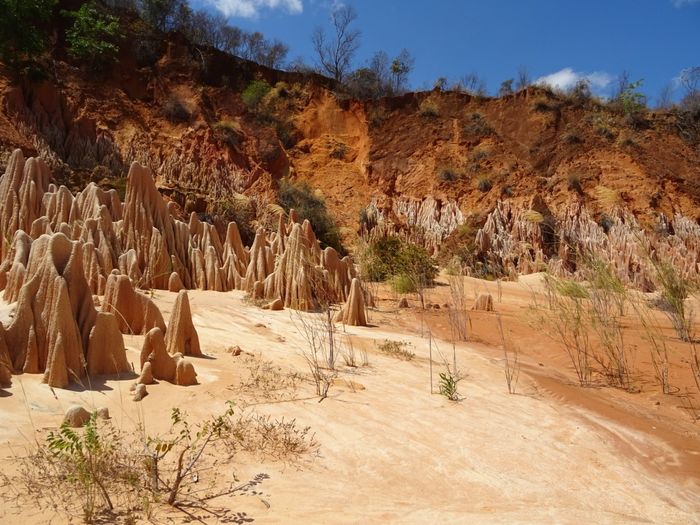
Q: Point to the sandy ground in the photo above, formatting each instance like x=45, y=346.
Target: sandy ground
x=390, y=452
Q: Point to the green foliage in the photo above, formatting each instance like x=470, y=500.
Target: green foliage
x=254, y=94
x=402, y=283
x=22, y=28
x=87, y=460
x=449, y=175
x=228, y=132
x=312, y=207
x=674, y=290
x=339, y=151
x=478, y=126
x=448, y=386
x=506, y=88
x=632, y=101
x=92, y=35
x=390, y=256
x=484, y=183
x=429, y=109
x=398, y=349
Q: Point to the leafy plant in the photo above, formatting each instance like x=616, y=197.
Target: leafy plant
x=448, y=385
x=308, y=205
x=253, y=95
x=187, y=445
x=484, y=183
x=88, y=462
x=428, y=108
x=398, y=349
x=477, y=125
x=22, y=28
x=92, y=35
x=228, y=131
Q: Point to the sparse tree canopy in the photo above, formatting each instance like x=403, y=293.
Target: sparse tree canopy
x=335, y=53
x=401, y=67
x=523, y=78
x=22, y=36
x=690, y=80
x=92, y=36
x=472, y=84
x=506, y=88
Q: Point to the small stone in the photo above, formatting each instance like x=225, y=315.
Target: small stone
x=76, y=416
x=140, y=392
x=103, y=413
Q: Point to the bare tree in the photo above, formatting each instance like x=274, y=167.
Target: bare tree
x=523, y=79
x=690, y=80
x=335, y=53
x=665, y=98
x=472, y=84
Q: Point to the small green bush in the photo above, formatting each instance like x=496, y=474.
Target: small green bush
x=448, y=175
x=176, y=111
x=402, y=284
x=390, y=256
x=574, y=183
x=396, y=349
x=228, y=131
x=542, y=105
x=22, y=29
x=92, y=36
x=448, y=386
x=253, y=95
x=301, y=198
x=484, y=183
x=339, y=151
x=428, y=108
x=571, y=138
x=477, y=125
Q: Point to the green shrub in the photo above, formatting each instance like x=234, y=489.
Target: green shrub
x=92, y=35
x=448, y=386
x=253, y=95
x=484, y=183
x=22, y=33
x=571, y=138
x=228, y=132
x=390, y=256
x=176, y=111
x=302, y=199
x=428, y=108
x=449, y=175
x=476, y=125
x=339, y=151
x=542, y=105
x=402, y=284
x=396, y=349
x=574, y=183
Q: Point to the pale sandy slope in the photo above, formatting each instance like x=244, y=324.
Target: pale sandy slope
x=393, y=453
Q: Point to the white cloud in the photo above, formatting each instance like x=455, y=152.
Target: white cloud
x=683, y=3
x=252, y=8
x=566, y=79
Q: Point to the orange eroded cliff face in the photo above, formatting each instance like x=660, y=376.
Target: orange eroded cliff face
x=184, y=118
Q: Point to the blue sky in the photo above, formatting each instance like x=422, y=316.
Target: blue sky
x=561, y=40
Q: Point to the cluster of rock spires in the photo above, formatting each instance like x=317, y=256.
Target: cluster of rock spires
x=58, y=250
x=531, y=238
x=427, y=221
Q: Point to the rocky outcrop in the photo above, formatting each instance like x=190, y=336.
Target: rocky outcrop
x=163, y=366
x=353, y=312
x=55, y=329
x=181, y=336
x=135, y=312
